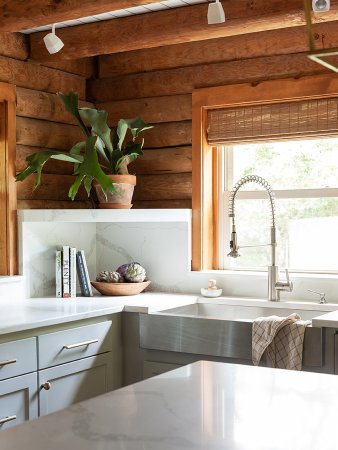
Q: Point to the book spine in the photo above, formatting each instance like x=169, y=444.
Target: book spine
x=65, y=271
x=86, y=273
x=73, y=272
x=58, y=273
x=81, y=275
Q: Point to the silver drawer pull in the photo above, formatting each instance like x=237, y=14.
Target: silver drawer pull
x=81, y=344
x=7, y=419
x=5, y=363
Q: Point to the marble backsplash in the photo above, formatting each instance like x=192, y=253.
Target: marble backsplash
x=160, y=240
x=162, y=247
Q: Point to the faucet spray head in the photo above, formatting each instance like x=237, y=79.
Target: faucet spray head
x=233, y=244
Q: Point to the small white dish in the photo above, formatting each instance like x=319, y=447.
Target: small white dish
x=211, y=292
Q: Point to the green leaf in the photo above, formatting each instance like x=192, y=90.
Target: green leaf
x=90, y=169
x=88, y=184
x=36, y=161
x=76, y=149
x=132, y=147
x=122, y=128
x=122, y=163
x=130, y=153
x=98, y=121
x=72, y=106
x=137, y=125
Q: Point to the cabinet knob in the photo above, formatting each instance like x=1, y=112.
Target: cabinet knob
x=46, y=386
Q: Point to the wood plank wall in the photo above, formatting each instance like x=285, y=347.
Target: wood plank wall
x=42, y=122
x=157, y=85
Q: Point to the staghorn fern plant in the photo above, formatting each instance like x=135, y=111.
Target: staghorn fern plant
x=102, y=151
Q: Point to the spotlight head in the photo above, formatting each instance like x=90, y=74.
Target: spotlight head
x=320, y=5
x=52, y=42
x=215, y=13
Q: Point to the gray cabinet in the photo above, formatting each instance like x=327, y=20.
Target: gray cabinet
x=74, y=365
x=63, y=385
x=18, y=388
x=43, y=374
x=18, y=400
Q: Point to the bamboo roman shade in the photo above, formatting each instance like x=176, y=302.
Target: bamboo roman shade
x=272, y=121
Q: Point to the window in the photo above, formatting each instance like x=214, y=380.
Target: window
x=280, y=111
x=303, y=176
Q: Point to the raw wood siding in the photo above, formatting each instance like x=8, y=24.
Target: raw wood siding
x=42, y=122
x=157, y=85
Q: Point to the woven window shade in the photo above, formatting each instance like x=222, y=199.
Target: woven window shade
x=273, y=121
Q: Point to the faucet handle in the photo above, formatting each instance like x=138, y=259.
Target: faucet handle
x=285, y=285
x=322, y=298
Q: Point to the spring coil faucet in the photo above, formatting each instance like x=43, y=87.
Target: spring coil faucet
x=274, y=285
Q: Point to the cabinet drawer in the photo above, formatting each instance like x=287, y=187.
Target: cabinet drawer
x=76, y=343
x=18, y=400
x=64, y=385
x=18, y=358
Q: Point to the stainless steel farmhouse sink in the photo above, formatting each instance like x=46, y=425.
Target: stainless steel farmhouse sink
x=222, y=330
x=235, y=312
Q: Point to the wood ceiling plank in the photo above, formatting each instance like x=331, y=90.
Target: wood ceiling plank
x=17, y=15
x=175, y=26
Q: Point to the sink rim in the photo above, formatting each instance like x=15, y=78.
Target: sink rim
x=289, y=307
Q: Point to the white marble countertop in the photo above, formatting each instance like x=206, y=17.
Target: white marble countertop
x=39, y=312
x=205, y=405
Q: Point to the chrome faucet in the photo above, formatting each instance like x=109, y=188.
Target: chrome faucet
x=274, y=285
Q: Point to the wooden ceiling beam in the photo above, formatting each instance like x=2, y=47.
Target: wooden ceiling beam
x=17, y=15
x=175, y=26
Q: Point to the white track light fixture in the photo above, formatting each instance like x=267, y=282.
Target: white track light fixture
x=215, y=13
x=52, y=42
x=320, y=5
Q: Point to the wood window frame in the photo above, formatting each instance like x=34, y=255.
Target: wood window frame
x=8, y=219
x=205, y=161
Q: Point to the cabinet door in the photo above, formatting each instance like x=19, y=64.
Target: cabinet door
x=18, y=400
x=63, y=385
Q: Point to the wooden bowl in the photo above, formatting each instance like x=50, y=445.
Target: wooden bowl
x=119, y=288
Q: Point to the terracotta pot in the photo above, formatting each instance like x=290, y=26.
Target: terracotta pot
x=121, y=199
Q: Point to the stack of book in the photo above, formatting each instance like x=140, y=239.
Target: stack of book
x=68, y=264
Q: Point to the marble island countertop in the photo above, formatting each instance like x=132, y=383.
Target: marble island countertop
x=205, y=405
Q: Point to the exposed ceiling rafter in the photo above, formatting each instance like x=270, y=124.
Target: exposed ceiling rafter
x=176, y=26
x=18, y=15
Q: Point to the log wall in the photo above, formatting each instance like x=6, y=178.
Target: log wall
x=42, y=122
x=157, y=84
